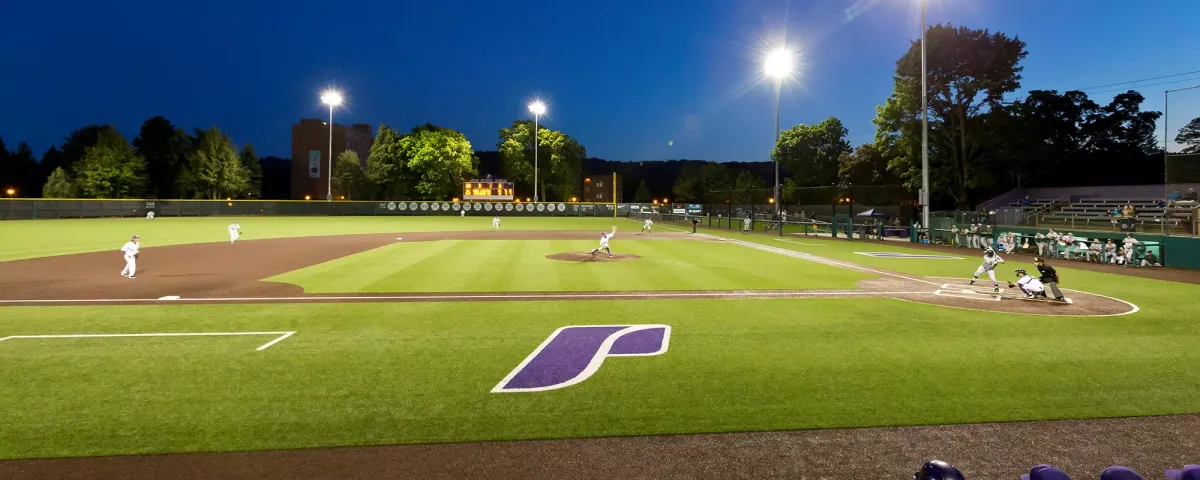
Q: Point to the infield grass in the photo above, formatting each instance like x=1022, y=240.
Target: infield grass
x=359, y=374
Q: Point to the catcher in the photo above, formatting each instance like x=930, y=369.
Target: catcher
x=1030, y=286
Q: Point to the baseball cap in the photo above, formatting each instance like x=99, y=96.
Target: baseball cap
x=1190, y=472
x=135, y=237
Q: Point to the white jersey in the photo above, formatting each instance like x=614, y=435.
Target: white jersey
x=130, y=249
x=496, y=221
x=234, y=229
x=989, y=263
x=1129, y=243
x=648, y=222
x=1031, y=284
x=604, y=239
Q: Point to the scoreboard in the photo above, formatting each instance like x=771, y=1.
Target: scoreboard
x=498, y=190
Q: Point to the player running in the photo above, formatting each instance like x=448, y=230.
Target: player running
x=646, y=225
x=235, y=231
x=150, y=215
x=130, y=251
x=496, y=222
x=990, y=260
x=604, y=242
x=1032, y=287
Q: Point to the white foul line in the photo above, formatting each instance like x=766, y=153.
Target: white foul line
x=547, y=296
x=814, y=258
x=798, y=243
x=282, y=335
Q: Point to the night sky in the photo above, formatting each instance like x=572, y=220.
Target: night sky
x=623, y=77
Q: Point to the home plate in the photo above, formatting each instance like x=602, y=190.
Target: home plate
x=169, y=297
x=398, y=238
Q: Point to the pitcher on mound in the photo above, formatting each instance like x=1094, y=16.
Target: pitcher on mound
x=604, y=242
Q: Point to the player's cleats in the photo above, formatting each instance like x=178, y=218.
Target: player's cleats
x=131, y=277
x=972, y=282
x=996, y=289
x=1060, y=299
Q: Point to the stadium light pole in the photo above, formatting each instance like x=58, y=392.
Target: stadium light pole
x=537, y=108
x=332, y=98
x=924, y=129
x=780, y=64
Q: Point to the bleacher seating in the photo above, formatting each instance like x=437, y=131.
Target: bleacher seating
x=1150, y=214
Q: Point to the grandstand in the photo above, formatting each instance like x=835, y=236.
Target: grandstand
x=1098, y=211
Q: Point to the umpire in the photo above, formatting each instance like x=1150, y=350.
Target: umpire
x=1049, y=277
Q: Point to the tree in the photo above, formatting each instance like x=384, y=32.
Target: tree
x=1189, y=136
x=19, y=170
x=559, y=159
x=58, y=185
x=165, y=149
x=386, y=166
x=865, y=166
x=111, y=168
x=75, y=146
x=969, y=72
x=810, y=152
x=439, y=160
x=254, y=173
x=643, y=195
x=213, y=169
x=349, y=178
x=749, y=188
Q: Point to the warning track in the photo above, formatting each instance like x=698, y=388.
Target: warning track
x=222, y=273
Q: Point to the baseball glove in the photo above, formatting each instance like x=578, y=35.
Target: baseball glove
x=1010, y=285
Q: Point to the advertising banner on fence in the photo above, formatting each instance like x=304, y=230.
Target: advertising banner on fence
x=314, y=164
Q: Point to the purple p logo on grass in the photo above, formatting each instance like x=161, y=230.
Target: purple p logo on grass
x=573, y=353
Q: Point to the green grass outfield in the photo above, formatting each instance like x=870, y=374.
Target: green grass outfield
x=521, y=266
x=384, y=373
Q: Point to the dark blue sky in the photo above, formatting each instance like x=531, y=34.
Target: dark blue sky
x=624, y=77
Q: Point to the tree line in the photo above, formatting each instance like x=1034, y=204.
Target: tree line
x=980, y=144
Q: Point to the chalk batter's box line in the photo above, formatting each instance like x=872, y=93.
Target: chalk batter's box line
x=971, y=296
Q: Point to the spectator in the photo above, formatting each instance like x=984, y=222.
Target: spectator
x=1127, y=212
x=1150, y=260
x=1174, y=196
x=1026, y=202
x=1191, y=196
x=1116, y=213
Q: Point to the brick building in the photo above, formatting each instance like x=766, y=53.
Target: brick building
x=310, y=153
x=599, y=188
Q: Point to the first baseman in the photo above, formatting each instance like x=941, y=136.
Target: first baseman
x=235, y=231
x=130, y=251
x=604, y=242
x=990, y=260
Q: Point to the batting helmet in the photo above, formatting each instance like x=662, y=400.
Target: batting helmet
x=937, y=470
x=1021, y=272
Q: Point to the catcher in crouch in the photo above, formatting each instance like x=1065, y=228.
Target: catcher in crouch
x=1030, y=286
x=990, y=260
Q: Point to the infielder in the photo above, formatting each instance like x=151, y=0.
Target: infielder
x=1030, y=286
x=130, y=250
x=990, y=260
x=150, y=215
x=647, y=224
x=604, y=242
x=235, y=231
x=496, y=222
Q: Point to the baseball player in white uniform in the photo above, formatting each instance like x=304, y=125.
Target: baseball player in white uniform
x=1130, y=243
x=604, y=237
x=235, y=231
x=990, y=260
x=462, y=213
x=746, y=225
x=647, y=224
x=496, y=222
x=150, y=215
x=130, y=251
x=1032, y=287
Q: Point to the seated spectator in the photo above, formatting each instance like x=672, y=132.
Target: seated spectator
x=1127, y=212
x=1191, y=196
x=1026, y=202
x=1161, y=204
x=1116, y=213
x=1174, y=196
x=1150, y=259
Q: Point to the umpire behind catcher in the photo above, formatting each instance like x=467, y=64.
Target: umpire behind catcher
x=1049, y=277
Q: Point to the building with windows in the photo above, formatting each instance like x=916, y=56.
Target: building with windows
x=599, y=188
x=310, y=153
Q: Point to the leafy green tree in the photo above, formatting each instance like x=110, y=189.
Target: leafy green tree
x=439, y=161
x=1189, y=136
x=111, y=168
x=865, y=166
x=19, y=170
x=164, y=147
x=749, y=188
x=75, y=146
x=559, y=159
x=386, y=166
x=249, y=160
x=350, y=179
x=643, y=195
x=969, y=72
x=213, y=168
x=810, y=152
x=58, y=185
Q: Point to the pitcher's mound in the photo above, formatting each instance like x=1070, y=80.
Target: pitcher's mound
x=588, y=257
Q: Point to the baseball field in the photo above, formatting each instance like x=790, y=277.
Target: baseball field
x=353, y=331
